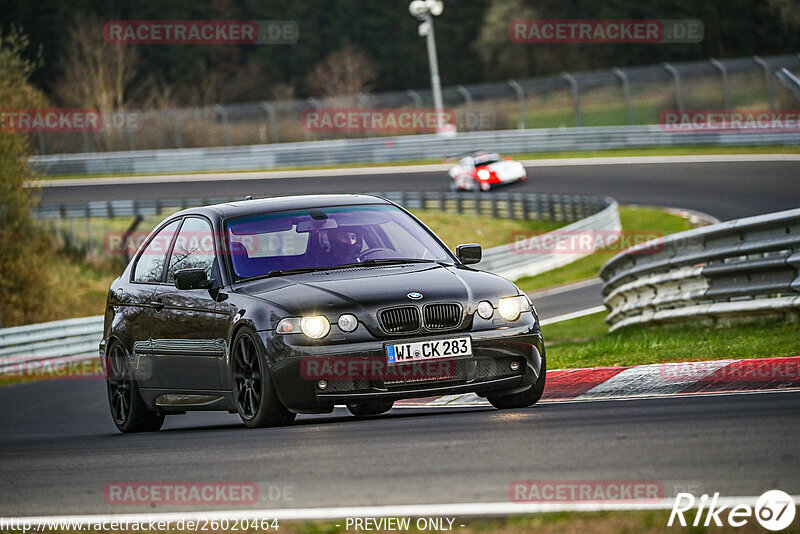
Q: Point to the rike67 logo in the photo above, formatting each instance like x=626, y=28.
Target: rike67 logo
x=774, y=511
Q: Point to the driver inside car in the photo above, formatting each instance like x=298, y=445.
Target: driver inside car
x=345, y=246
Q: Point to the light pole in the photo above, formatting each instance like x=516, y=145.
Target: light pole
x=424, y=11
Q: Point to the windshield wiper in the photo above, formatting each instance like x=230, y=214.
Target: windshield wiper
x=390, y=261
x=299, y=270
x=365, y=263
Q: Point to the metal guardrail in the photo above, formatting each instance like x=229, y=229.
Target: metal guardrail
x=80, y=337
x=379, y=150
x=514, y=260
x=49, y=341
x=521, y=206
x=746, y=267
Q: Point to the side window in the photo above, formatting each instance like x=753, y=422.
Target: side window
x=150, y=263
x=194, y=248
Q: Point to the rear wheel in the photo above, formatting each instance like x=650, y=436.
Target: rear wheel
x=526, y=398
x=365, y=409
x=256, y=400
x=127, y=408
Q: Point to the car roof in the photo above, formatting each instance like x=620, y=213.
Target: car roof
x=272, y=204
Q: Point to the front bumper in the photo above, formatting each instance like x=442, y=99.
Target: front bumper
x=488, y=371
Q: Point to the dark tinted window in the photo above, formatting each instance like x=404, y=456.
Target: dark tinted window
x=194, y=248
x=150, y=264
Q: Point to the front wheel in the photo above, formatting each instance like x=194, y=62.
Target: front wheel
x=365, y=409
x=256, y=400
x=127, y=407
x=523, y=399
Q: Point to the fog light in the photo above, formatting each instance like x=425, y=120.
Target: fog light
x=485, y=309
x=348, y=322
x=514, y=366
x=322, y=384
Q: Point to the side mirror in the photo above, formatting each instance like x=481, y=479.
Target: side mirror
x=192, y=279
x=469, y=254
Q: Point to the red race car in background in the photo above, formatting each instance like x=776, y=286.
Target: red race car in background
x=484, y=170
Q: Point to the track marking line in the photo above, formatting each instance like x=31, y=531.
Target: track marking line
x=573, y=315
x=565, y=288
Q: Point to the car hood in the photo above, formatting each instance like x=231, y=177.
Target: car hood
x=505, y=168
x=371, y=288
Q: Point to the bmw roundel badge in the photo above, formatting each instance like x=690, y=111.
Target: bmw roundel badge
x=414, y=295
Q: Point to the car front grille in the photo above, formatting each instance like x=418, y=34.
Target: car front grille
x=441, y=316
x=400, y=320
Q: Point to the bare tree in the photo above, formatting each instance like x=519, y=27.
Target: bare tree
x=96, y=73
x=345, y=72
x=789, y=11
x=500, y=57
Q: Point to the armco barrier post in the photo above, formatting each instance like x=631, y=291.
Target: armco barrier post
x=626, y=91
x=767, y=80
x=520, y=92
x=677, y=78
x=576, y=97
x=726, y=90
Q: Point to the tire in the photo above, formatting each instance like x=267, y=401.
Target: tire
x=523, y=399
x=365, y=409
x=128, y=410
x=256, y=401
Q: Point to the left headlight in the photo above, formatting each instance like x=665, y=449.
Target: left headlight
x=510, y=308
x=313, y=326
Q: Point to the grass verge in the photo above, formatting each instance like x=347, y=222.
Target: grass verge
x=635, y=221
x=617, y=152
x=585, y=342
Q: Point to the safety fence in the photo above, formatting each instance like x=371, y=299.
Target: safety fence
x=742, y=269
x=619, y=96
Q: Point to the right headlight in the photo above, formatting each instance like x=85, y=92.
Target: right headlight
x=510, y=308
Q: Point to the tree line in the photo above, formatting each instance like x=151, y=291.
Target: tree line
x=361, y=45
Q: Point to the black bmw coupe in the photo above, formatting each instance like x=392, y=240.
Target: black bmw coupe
x=269, y=308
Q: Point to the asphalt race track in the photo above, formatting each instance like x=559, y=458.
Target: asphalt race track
x=59, y=448
x=725, y=190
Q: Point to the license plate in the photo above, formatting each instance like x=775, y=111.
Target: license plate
x=428, y=350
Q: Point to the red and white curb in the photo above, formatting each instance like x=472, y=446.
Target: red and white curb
x=656, y=380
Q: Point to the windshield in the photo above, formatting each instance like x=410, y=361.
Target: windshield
x=486, y=159
x=327, y=238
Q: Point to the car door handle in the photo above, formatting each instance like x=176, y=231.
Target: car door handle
x=157, y=304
